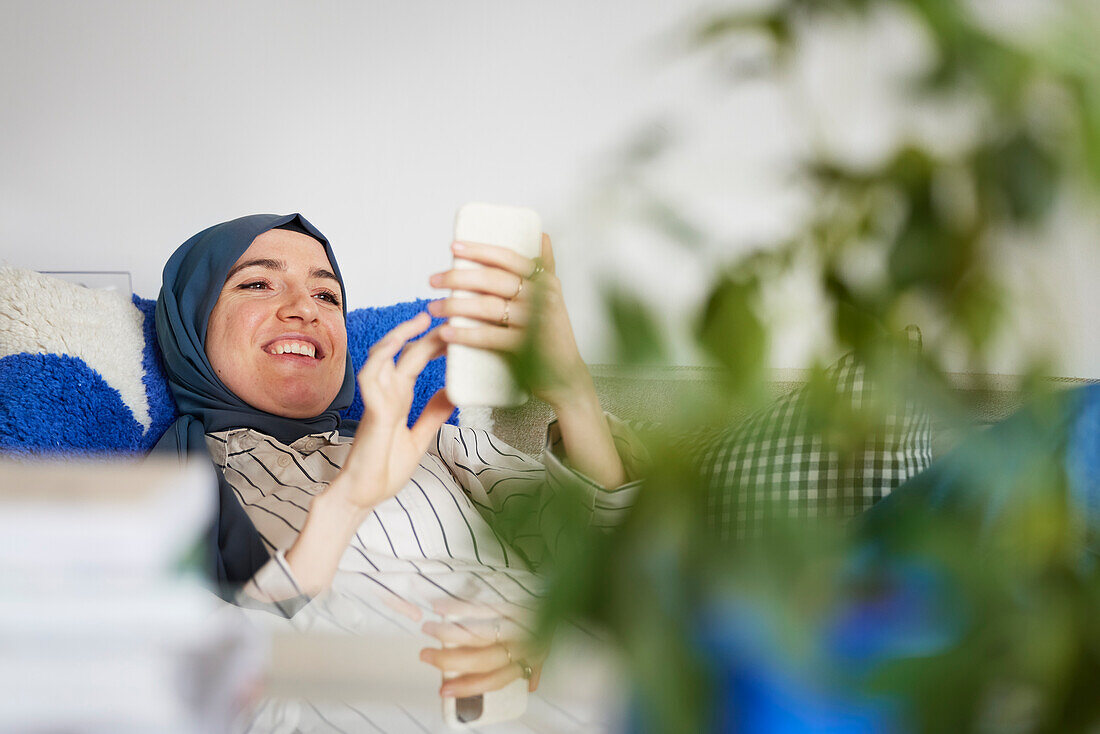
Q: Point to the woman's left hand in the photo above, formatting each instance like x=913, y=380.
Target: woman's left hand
x=504, y=301
x=479, y=656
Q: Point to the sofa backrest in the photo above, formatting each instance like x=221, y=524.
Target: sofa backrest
x=648, y=394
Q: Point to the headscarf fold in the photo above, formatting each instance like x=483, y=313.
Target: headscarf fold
x=192, y=281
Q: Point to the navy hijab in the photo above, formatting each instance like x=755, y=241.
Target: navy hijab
x=192, y=281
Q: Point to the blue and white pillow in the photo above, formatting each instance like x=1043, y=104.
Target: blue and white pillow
x=80, y=371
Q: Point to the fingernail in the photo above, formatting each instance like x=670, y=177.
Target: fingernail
x=446, y=692
x=435, y=279
x=447, y=332
x=458, y=247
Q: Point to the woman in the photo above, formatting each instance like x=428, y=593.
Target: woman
x=250, y=321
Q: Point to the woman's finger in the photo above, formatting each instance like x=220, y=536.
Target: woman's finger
x=536, y=676
x=469, y=659
x=416, y=354
x=450, y=606
x=385, y=349
x=473, y=632
x=460, y=610
x=494, y=256
x=400, y=605
x=483, y=308
x=396, y=337
x=490, y=281
x=500, y=338
x=434, y=415
x=472, y=684
x=451, y=633
x=547, y=255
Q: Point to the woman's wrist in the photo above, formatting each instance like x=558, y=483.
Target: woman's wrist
x=587, y=438
x=345, y=498
x=578, y=397
x=332, y=521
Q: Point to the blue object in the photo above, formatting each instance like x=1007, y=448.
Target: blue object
x=57, y=404
x=162, y=407
x=368, y=325
x=896, y=604
x=760, y=687
x=54, y=403
x=1082, y=464
x=1056, y=436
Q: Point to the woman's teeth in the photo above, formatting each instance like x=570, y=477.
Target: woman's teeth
x=303, y=348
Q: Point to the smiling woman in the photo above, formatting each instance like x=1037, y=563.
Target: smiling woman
x=276, y=336
x=320, y=516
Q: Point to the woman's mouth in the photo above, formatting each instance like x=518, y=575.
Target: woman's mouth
x=293, y=347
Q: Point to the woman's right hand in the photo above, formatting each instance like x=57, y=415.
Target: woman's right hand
x=386, y=451
x=382, y=458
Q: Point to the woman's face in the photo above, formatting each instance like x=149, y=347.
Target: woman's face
x=276, y=336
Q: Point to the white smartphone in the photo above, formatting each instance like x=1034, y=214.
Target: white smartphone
x=480, y=377
x=493, y=707
x=503, y=704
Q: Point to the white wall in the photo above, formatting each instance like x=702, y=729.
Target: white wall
x=129, y=126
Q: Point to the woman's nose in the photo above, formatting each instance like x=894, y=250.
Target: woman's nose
x=298, y=303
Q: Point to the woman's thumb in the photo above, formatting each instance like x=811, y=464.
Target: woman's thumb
x=434, y=415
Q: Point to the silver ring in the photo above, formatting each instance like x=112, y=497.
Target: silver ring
x=496, y=630
x=538, y=269
x=525, y=669
x=507, y=652
x=520, y=288
x=504, y=322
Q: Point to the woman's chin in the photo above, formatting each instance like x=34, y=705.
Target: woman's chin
x=290, y=396
x=298, y=413
x=297, y=404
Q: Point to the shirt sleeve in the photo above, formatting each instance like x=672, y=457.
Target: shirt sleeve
x=607, y=506
x=521, y=496
x=273, y=588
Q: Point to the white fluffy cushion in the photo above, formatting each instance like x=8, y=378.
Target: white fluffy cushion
x=44, y=315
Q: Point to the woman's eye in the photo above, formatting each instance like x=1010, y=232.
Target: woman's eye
x=330, y=297
x=254, y=285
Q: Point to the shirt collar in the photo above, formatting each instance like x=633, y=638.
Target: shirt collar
x=237, y=440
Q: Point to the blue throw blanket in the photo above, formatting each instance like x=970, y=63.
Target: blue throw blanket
x=55, y=403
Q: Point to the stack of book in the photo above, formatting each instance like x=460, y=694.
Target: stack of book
x=105, y=622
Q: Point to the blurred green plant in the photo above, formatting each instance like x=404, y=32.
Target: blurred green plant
x=1018, y=612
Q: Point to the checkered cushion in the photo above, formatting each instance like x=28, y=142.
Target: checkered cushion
x=781, y=463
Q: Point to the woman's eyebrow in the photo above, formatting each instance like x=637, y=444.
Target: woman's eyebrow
x=272, y=264
x=263, y=262
x=322, y=273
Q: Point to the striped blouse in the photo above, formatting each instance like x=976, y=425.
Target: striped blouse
x=432, y=541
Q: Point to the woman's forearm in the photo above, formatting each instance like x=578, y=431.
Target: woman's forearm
x=329, y=528
x=587, y=438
